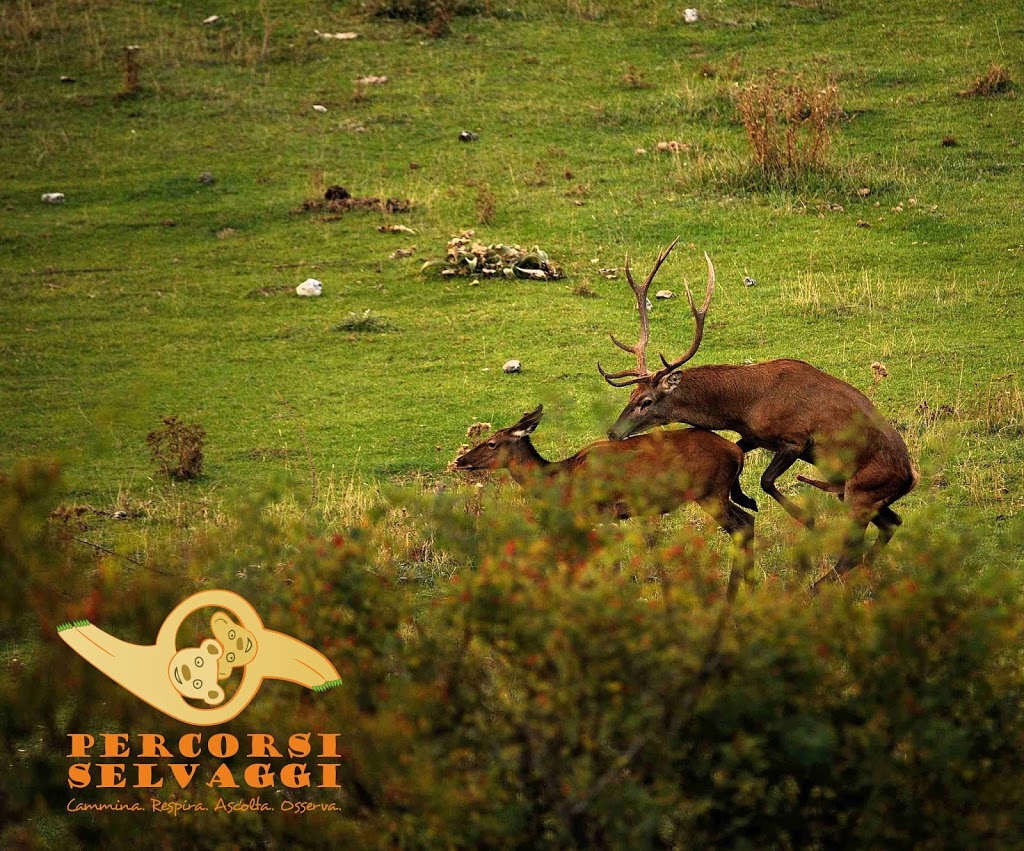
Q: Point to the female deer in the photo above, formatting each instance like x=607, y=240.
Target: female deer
x=650, y=474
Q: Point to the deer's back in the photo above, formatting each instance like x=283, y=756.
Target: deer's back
x=785, y=401
x=665, y=467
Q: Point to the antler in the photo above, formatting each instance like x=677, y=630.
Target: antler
x=698, y=316
x=634, y=376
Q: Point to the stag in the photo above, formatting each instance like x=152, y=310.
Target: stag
x=676, y=466
x=788, y=407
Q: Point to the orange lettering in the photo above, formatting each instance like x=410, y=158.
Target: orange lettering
x=78, y=775
x=262, y=746
x=80, y=744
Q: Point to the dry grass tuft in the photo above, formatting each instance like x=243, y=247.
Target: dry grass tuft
x=789, y=123
x=995, y=81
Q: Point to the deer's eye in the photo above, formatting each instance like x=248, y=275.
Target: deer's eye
x=491, y=444
x=645, y=404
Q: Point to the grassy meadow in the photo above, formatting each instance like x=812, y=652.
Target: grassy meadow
x=513, y=674
x=149, y=294
x=140, y=297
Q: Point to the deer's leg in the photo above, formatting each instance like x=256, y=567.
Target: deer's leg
x=746, y=444
x=736, y=495
x=886, y=520
x=853, y=552
x=865, y=509
x=738, y=524
x=782, y=461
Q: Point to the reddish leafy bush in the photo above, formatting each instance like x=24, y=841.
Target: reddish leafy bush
x=542, y=696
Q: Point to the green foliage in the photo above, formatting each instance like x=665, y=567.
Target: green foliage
x=366, y=322
x=543, y=696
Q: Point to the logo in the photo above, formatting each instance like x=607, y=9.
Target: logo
x=164, y=676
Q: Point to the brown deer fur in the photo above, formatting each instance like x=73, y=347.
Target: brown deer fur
x=672, y=467
x=787, y=407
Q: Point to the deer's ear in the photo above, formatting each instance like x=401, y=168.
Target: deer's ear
x=528, y=428
x=671, y=381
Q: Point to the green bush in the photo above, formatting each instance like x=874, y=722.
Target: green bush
x=565, y=687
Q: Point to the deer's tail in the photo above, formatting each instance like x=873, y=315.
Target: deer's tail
x=828, y=487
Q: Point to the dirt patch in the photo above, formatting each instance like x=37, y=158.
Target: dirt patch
x=338, y=206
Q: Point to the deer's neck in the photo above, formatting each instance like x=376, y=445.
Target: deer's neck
x=525, y=464
x=715, y=397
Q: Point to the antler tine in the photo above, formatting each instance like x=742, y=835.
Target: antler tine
x=611, y=377
x=698, y=316
x=640, y=349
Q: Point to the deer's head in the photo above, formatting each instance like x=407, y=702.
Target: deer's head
x=504, y=445
x=647, y=406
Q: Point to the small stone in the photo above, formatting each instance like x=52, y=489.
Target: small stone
x=691, y=16
x=319, y=107
x=338, y=36
x=64, y=78
x=512, y=366
x=309, y=287
x=468, y=136
x=863, y=224
x=672, y=146
x=864, y=192
x=748, y=281
x=211, y=20
x=207, y=179
x=53, y=197
x=664, y=294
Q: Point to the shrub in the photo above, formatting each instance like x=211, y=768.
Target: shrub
x=788, y=123
x=543, y=696
x=177, y=448
x=995, y=81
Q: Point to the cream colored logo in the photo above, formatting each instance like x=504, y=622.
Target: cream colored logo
x=164, y=677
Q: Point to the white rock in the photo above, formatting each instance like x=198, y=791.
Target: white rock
x=319, y=107
x=309, y=287
x=337, y=36
x=211, y=20
x=512, y=366
x=53, y=197
x=690, y=16
x=664, y=294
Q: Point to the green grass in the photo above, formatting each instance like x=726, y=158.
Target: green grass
x=111, y=318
